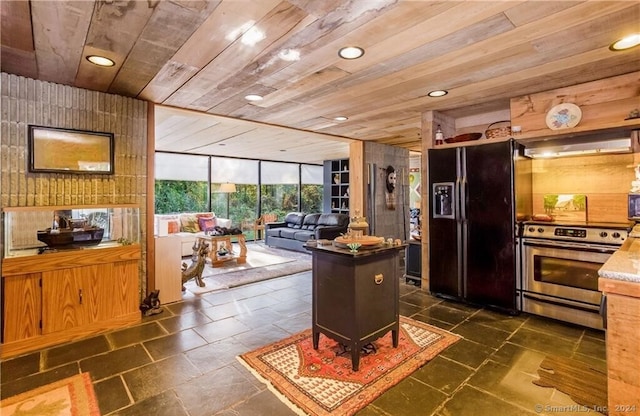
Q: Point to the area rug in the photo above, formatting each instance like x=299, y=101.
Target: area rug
x=585, y=384
x=262, y=263
x=322, y=382
x=73, y=396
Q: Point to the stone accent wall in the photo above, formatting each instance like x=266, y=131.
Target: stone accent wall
x=389, y=223
x=27, y=101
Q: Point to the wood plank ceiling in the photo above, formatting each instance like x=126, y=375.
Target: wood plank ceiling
x=206, y=56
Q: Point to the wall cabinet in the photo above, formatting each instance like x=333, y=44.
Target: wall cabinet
x=336, y=186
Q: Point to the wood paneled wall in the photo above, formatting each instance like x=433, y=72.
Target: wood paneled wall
x=27, y=101
x=604, y=104
x=606, y=180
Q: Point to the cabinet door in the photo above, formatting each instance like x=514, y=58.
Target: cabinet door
x=121, y=291
x=22, y=307
x=69, y=297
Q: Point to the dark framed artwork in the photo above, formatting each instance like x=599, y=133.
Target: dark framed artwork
x=59, y=150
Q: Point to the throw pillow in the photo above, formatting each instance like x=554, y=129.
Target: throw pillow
x=189, y=223
x=174, y=227
x=206, y=224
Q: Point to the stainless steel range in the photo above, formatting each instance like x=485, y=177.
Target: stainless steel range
x=559, y=268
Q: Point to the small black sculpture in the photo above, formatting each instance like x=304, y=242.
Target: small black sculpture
x=151, y=304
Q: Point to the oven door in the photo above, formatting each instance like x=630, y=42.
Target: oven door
x=560, y=280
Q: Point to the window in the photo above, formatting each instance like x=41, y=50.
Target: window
x=311, y=190
x=192, y=183
x=279, y=187
x=181, y=183
x=240, y=206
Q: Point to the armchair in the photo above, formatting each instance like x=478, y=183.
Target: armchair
x=258, y=225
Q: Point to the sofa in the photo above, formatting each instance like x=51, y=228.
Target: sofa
x=298, y=227
x=188, y=226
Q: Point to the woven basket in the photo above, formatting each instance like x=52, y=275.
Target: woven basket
x=497, y=132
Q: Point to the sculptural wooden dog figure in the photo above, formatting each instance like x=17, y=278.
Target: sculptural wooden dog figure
x=198, y=260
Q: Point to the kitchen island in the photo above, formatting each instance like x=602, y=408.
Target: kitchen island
x=620, y=284
x=355, y=297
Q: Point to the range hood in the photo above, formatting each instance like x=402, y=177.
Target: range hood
x=591, y=144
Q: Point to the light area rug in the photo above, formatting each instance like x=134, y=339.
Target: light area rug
x=262, y=263
x=321, y=382
x=73, y=396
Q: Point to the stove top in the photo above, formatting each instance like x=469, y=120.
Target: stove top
x=589, y=232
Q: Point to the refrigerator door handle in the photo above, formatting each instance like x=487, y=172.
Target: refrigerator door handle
x=462, y=176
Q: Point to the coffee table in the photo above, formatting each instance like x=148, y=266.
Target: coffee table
x=216, y=242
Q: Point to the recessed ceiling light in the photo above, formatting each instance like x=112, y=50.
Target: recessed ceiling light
x=626, y=42
x=100, y=60
x=437, y=93
x=341, y=118
x=351, y=52
x=253, y=97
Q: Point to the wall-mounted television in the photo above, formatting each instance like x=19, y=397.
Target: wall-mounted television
x=60, y=150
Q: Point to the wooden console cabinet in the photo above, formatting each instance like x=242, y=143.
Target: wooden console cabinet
x=355, y=296
x=62, y=296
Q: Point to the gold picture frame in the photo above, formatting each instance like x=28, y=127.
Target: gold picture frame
x=60, y=150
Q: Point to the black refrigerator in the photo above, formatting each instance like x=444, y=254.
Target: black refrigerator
x=472, y=223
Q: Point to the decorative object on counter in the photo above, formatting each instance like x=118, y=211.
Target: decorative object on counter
x=198, y=260
x=633, y=114
x=359, y=223
x=151, y=304
x=566, y=207
x=439, y=136
x=353, y=247
x=498, y=132
x=366, y=241
x=542, y=217
x=124, y=241
x=464, y=138
x=69, y=232
x=563, y=116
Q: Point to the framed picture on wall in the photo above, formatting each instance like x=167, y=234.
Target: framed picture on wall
x=59, y=150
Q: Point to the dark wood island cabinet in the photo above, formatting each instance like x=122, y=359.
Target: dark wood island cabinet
x=355, y=295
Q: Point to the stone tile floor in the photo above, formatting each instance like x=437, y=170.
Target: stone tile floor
x=183, y=361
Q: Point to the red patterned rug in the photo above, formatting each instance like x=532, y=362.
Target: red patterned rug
x=321, y=382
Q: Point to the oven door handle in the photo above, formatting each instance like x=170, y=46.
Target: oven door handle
x=562, y=245
x=586, y=307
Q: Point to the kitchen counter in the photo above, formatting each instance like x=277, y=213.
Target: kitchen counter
x=624, y=264
x=620, y=285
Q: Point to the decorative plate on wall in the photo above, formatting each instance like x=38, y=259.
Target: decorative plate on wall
x=563, y=116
